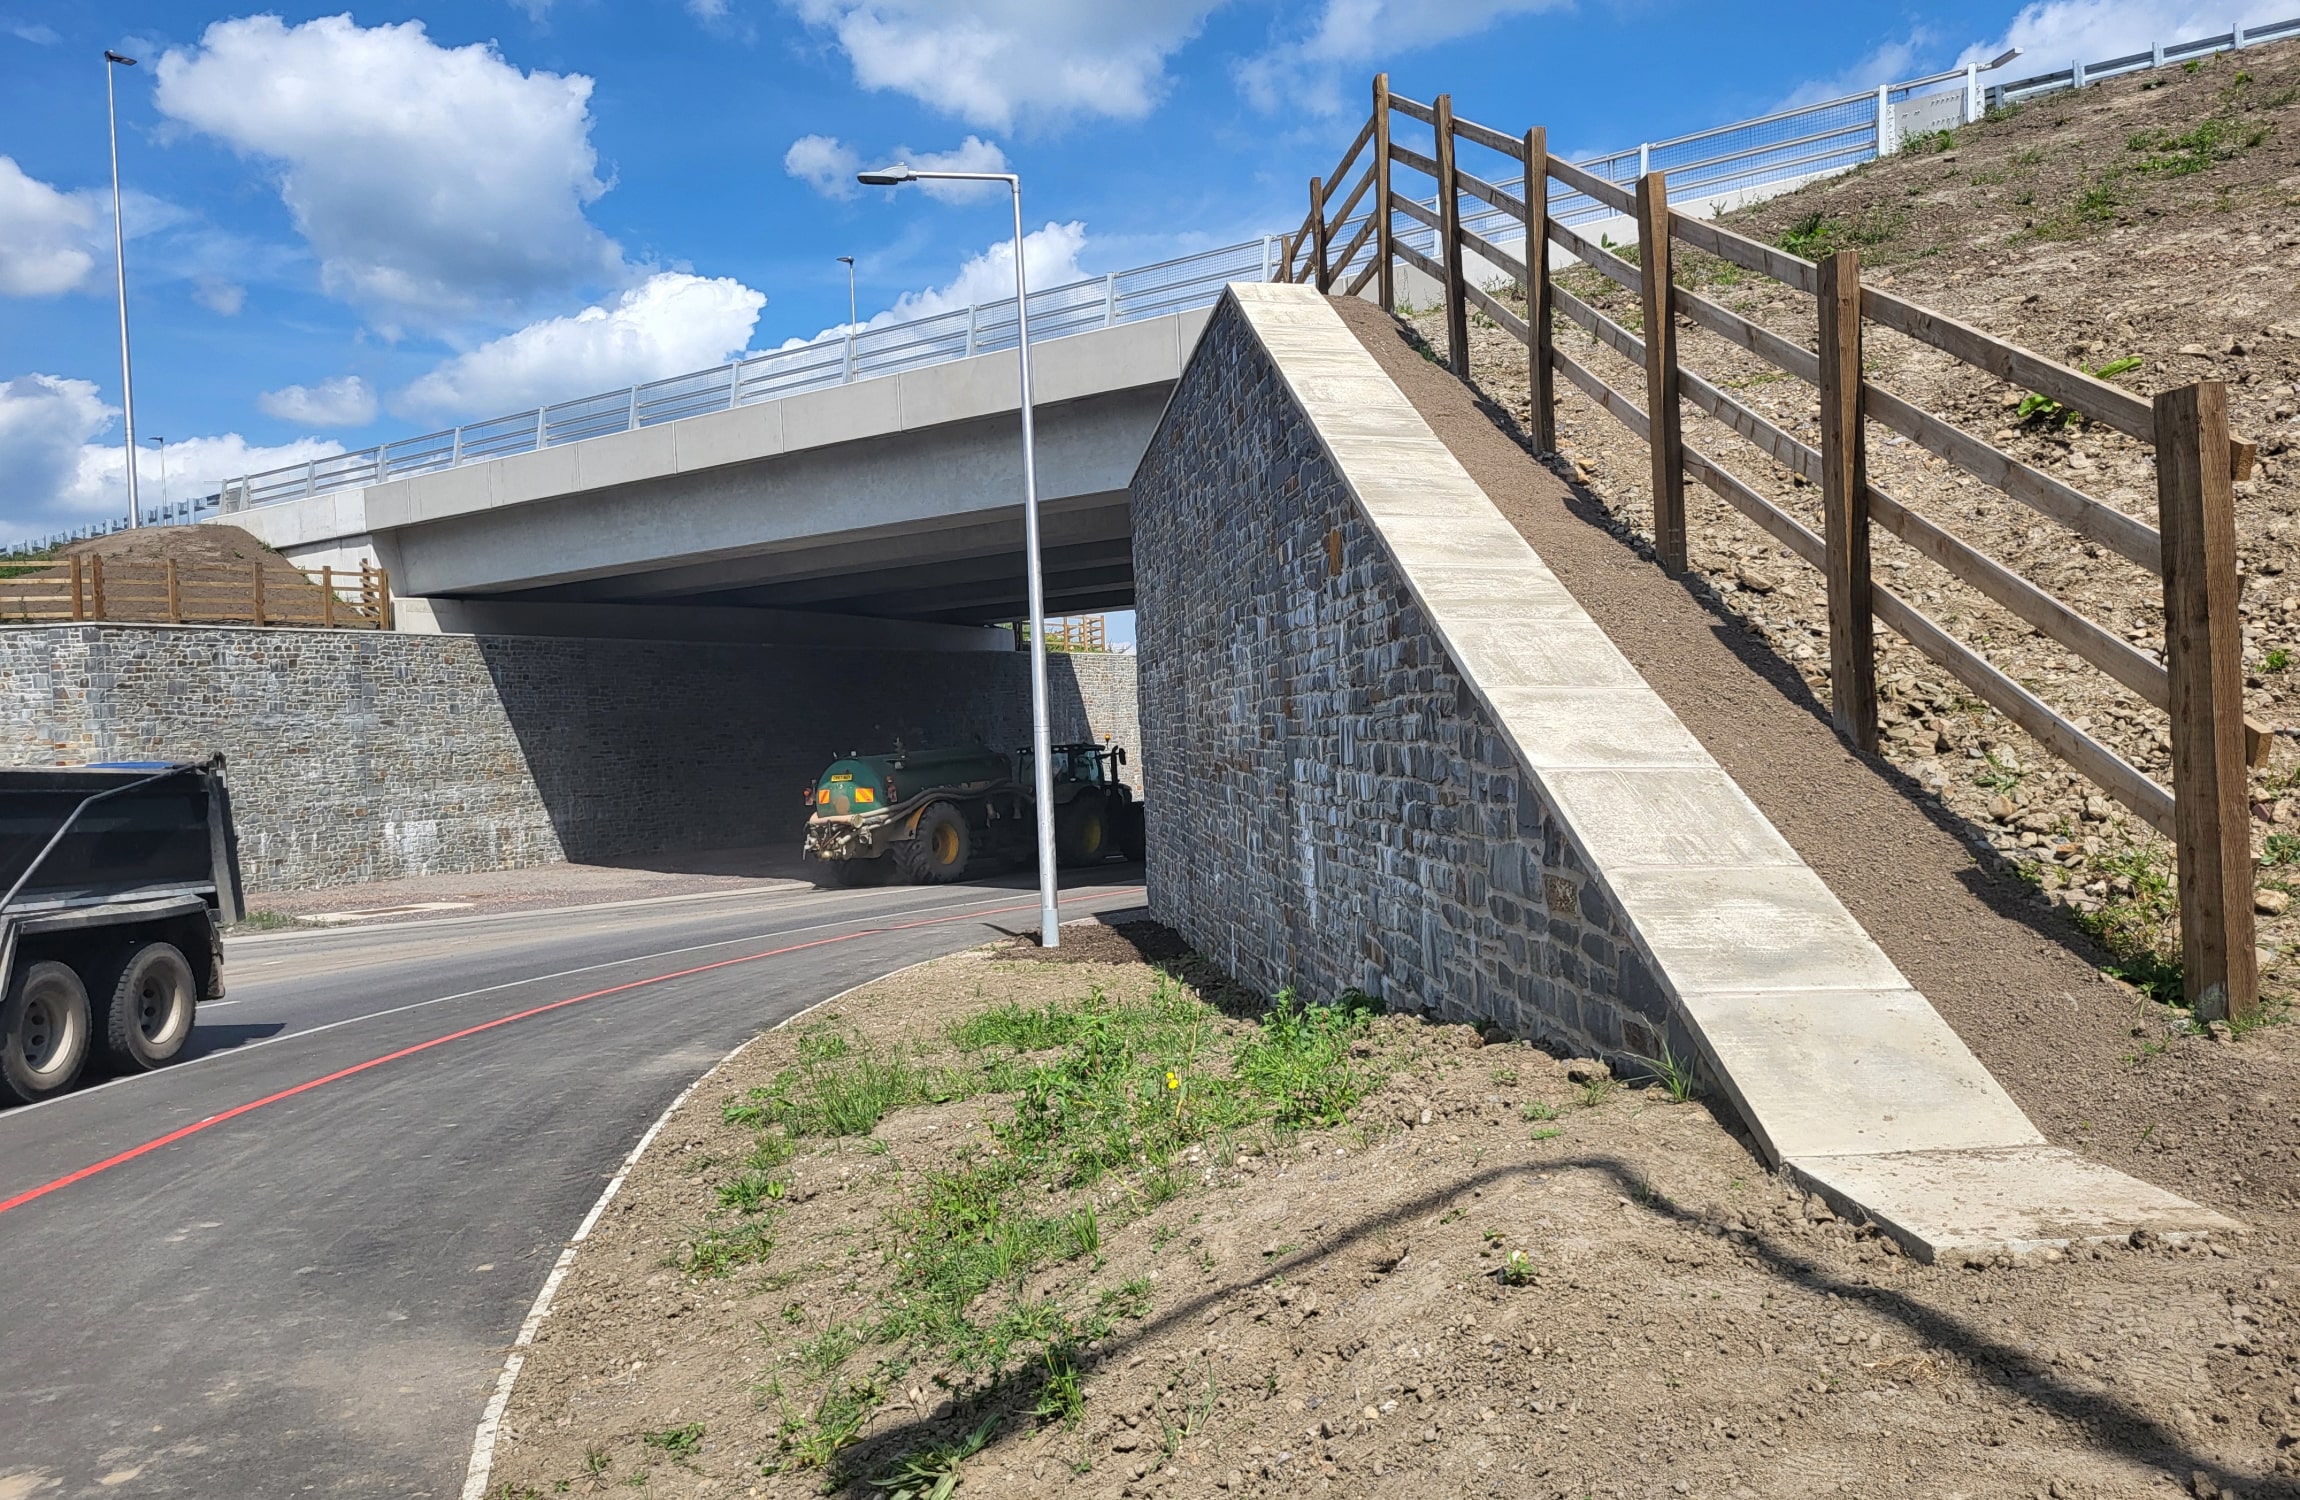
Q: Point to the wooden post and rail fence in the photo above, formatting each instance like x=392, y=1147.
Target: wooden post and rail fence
x=2199, y=682
x=86, y=588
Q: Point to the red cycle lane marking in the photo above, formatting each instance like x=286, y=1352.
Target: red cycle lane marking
x=252, y=1105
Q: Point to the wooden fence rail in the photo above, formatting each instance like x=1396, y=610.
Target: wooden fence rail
x=88, y=588
x=2199, y=683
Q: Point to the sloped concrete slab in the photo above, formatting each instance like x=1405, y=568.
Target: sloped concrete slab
x=1943, y=1204
x=1845, y=1073
x=1817, y=1072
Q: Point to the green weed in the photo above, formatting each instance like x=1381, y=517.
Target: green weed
x=2277, y=659
x=1300, y=1059
x=2281, y=849
x=1534, y=1109
x=932, y=1472
x=828, y=1350
x=1679, y=1077
x=678, y=1442
x=2140, y=931
x=2213, y=141
x=1517, y=1270
x=2046, y=411
x=719, y=1250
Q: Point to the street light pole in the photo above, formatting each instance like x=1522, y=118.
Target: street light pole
x=120, y=264
x=1041, y=736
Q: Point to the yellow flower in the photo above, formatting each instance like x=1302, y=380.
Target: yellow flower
x=1173, y=1081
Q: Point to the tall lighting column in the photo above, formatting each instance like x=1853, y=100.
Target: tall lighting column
x=120, y=264
x=1041, y=749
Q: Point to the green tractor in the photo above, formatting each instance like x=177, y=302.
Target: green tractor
x=926, y=815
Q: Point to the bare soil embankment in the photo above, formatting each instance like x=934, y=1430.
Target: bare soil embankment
x=1464, y=1269
x=2154, y=219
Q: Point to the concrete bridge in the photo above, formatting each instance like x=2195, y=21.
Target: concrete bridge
x=886, y=511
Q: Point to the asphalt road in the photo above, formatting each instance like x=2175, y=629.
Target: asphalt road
x=312, y=1294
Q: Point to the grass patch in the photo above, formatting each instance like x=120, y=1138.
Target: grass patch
x=1818, y=235
x=2139, y=928
x=1090, y=1107
x=2195, y=150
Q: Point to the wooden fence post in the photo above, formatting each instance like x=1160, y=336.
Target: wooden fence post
x=1449, y=250
x=1319, y=276
x=383, y=594
x=78, y=613
x=1541, y=376
x=2203, y=662
x=1385, y=277
x=1845, y=504
x=327, y=597
x=256, y=590
x=96, y=585
x=175, y=598
x=1667, y=440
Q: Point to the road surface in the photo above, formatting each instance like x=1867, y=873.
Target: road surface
x=289, y=1263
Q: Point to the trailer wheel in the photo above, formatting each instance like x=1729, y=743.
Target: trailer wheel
x=1133, y=836
x=43, y=1032
x=939, y=848
x=148, y=1015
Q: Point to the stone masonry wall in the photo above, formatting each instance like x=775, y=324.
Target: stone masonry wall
x=1329, y=807
x=357, y=756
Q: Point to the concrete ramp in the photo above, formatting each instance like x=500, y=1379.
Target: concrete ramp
x=1386, y=748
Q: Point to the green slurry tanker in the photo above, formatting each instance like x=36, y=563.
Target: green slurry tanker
x=927, y=814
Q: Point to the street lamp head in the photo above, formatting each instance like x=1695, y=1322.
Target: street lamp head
x=847, y=261
x=2000, y=60
x=887, y=176
x=114, y=57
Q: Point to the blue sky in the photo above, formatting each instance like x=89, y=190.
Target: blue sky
x=348, y=227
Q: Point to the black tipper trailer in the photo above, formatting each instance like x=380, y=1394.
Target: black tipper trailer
x=114, y=880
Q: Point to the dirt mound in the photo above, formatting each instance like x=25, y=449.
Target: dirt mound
x=215, y=567
x=1494, y=1273
x=212, y=545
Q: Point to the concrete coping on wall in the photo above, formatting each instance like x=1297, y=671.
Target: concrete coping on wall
x=1847, y=1078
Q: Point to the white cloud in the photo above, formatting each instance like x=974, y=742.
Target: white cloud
x=1309, y=70
x=433, y=183
x=828, y=165
x=1049, y=258
x=44, y=235
x=217, y=295
x=992, y=62
x=36, y=34
x=970, y=155
x=344, y=401
x=44, y=422
x=667, y=325
x=824, y=163
x=54, y=476
x=2054, y=34
x=1888, y=62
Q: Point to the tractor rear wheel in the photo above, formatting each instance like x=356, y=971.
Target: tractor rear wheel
x=939, y=847
x=1082, y=834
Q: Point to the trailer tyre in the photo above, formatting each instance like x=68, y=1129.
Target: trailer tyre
x=148, y=1015
x=940, y=846
x=43, y=1032
x=1133, y=836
